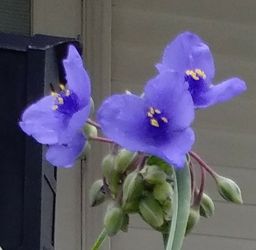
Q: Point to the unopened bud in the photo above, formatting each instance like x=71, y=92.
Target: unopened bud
x=154, y=175
x=113, y=219
x=206, y=206
x=109, y=172
x=90, y=130
x=96, y=194
x=108, y=164
x=132, y=187
x=167, y=209
x=131, y=206
x=123, y=160
x=229, y=190
x=193, y=219
x=151, y=211
x=163, y=191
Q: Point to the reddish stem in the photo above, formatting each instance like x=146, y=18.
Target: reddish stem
x=201, y=189
x=95, y=124
x=101, y=139
x=203, y=164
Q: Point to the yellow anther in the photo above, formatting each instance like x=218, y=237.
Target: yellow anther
x=60, y=100
x=188, y=72
x=53, y=94
x=154, y=122
x=62, y=87
x=149, y=115
x=67, y=92
x=55, y=107
x=151, y=110
x=196, y=74
x=164, y=119
x=200, y=73
x=157, y=111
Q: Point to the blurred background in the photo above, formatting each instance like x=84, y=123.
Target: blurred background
x=122, y=42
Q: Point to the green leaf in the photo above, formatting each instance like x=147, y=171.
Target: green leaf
x=181, y=208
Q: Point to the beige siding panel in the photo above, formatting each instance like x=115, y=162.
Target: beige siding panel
x=229, y=221
x=68, y=209
x=140, y=239
x=208, y=9
x=137, y=239
x=203, y=242
x=158, y=28
x=220, y=148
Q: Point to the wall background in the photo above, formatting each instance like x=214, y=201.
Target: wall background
x=122, y=41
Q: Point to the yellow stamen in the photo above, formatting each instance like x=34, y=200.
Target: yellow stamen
x=53, y=94
x=200, y=73
x=157, y=111
x=151, y=110
x=154, y=122
x=196, y=74
x=164, y=119
x=55, y=107
x=149, y=115
x=60, y=100
x=62, y=87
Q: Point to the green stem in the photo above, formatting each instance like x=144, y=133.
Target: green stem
x=181, y=208
x=99, y=240
x=165, y=239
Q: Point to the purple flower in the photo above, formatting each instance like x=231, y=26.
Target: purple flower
x=56, y=120
x=157, y=123
x=190, y=56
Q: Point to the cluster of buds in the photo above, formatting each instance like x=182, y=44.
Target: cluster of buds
x=134, y=183
x=138, y=183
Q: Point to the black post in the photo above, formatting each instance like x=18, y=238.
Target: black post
x=27, y=183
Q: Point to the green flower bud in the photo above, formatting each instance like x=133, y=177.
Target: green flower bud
x=109, y=172
x=167, y=209
x=229, y=190
x=96, y=194
x=123, y=160
x=131, y=206
x=90, y=130
x=113, y=219
x=163, y=191
x=125, y=225
x=154, y=175
x=193, y=219
x=132, y=187
x=108, y=164
x=206, y=206
x=151, y=211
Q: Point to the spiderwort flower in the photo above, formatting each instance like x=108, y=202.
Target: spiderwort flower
x=56, y=120
x=157, y=123
x=190, y=56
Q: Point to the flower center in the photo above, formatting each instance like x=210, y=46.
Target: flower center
x=195, y=74
x=155, y=117
x=66, y=101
